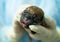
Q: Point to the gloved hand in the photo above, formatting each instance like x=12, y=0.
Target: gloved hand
x=46, y=34
x=16, y=32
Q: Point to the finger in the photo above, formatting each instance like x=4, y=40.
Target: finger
x=38, y=28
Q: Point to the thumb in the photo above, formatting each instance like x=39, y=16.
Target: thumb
x=38, y=28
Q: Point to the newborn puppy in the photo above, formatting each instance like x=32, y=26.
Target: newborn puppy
x=32, y=16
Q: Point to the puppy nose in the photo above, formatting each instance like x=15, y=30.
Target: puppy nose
x=24, y=21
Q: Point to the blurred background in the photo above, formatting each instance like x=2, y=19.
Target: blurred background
x=8, y=9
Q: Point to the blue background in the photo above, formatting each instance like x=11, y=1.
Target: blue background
x=8, y=9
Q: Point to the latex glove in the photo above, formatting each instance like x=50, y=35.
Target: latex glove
x=16, y=32
x=46, y=34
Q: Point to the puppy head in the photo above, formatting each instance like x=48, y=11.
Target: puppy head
x=32, y=15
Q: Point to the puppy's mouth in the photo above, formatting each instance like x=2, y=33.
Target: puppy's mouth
x=24, y=22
